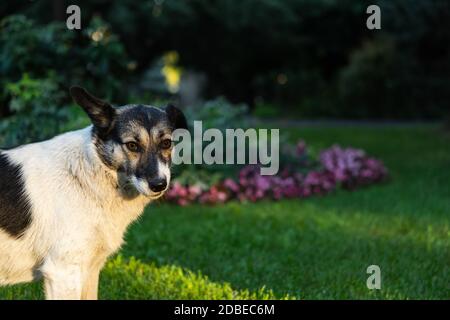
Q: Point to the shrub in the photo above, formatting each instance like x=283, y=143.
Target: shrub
x=39, y=63
x=337, y=167
x=289, y=53
x=94, y=58
x=36, y=108
x=219, y=113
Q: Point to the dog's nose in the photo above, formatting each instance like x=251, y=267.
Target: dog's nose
x=157, y=184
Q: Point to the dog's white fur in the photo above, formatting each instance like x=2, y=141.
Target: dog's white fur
x=78, y=216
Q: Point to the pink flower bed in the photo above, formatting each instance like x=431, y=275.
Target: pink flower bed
x=352, y=167
x=348, y=168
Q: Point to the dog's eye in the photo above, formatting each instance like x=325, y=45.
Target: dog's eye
x=166, y=144
x=132, y=146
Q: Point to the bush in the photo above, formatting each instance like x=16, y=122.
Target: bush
x=39, y=63
x=382, y=80
x=404, y=71
x=373, y=83
x=348, y=168
x=93, y=58
x=219, y=113
x=36, y=108
x=302, y=55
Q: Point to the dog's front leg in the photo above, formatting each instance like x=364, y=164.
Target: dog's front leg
x=90, y=285
x=63, y=282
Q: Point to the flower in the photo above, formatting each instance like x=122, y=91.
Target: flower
x=352, y=167
x=300, y=149
x=347, y=167
x=231, y=185
x=213, y=196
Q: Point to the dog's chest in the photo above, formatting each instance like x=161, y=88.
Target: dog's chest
x=112, y=223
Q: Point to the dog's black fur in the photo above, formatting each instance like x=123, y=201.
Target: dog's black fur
x=15, y=208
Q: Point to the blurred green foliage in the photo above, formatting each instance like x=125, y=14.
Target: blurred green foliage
x=219, y=113
x=313, y=57
x=310, y=58
x=39, y=62
x=36, y=111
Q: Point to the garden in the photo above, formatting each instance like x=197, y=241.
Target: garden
x=364, y=145
x=314, y=248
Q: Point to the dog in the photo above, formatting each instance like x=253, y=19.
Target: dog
x=66, y=203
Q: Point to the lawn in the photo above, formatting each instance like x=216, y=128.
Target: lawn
x=308, y=249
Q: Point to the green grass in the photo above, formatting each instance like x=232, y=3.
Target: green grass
x=308, y=249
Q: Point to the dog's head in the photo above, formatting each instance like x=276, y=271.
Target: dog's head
x=134, y=140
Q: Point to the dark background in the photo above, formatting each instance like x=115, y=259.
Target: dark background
x=302, y=58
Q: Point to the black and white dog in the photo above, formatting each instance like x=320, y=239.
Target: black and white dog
x=66, y=203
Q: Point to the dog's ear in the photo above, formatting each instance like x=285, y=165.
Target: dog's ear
x=101, y=112
x=176, y=117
